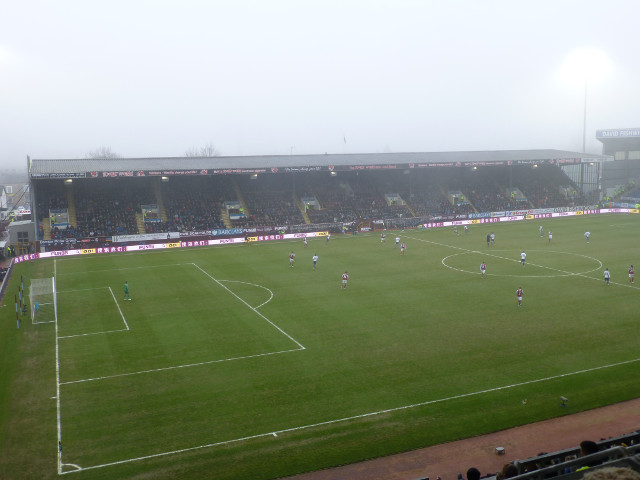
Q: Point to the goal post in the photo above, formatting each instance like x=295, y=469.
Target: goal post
x=42, y=300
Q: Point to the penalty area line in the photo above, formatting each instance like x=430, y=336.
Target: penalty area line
x=274, y=433
x=175, y=367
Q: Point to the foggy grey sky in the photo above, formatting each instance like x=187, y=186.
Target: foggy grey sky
x=156, y=78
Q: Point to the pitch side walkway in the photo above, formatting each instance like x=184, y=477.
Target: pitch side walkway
x=449, y=459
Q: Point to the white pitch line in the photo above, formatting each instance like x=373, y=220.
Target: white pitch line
x=535, y=265
x=93, y=333
x=252, y=308
x=125, y=268
x=119, y=309
x=274, y=433
x=255, y=285
x=175, y=367
x=58, y=409
x=81, y=289
x=565, y=273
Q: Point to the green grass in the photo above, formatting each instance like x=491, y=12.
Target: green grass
x=228, y=364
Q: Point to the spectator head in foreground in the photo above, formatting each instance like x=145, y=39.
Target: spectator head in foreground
x=612, y=473
x=587, y=447
x=473, y=474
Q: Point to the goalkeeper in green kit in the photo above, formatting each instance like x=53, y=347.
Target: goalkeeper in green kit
x=126, y=291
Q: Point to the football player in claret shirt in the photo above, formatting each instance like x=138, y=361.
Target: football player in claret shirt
x=519, y=293
x=631, y=274
x=483, y=269
x=292, y=258
x=345, y=278
x=402, y=248
x=382, y=237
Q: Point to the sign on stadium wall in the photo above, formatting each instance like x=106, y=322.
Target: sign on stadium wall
x=306, y=168
x=59, y=175
x=142, y=237
x=618, y=133
x=224, y=241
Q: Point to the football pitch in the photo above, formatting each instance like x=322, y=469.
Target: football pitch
x=227, y=363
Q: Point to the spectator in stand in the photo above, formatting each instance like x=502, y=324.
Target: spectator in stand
x=588, y=447
x=508, y=470
x=473, y=474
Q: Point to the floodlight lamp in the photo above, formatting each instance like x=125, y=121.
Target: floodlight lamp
x=586, y=64
x=164, y=179
x=68, y=181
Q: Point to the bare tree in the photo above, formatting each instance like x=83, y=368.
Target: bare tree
x=209, y=150
x=102, y=152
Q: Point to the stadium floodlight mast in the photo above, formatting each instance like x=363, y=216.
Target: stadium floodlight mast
x=581, y=67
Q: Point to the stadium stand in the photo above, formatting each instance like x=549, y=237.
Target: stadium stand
x=619, y=451
x=101, y=207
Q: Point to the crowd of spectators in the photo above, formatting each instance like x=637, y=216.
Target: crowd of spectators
x=191, y=204
x=104, y=207
x=270, y=201
x=545, y=189
x=607, y=456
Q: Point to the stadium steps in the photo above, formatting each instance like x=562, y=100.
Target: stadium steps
x=140, y=222
x=71, y=207
x=160, y=203
x=303, y=211
x=46, y=229
x=243, y=204
x=225, y=218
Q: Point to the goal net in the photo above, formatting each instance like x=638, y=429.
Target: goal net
x=42, y=300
